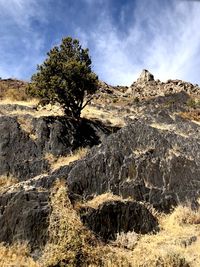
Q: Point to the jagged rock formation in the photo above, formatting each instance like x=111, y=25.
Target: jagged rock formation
x=146, y=87
x=145, y=76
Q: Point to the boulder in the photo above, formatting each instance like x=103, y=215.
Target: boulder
x=116, y=217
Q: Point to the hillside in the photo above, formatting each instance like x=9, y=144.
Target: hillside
x=119, y=188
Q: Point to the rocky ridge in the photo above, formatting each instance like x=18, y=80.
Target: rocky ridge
x=146, y=86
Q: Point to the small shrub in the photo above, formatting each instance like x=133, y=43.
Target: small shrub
x=16, y=255
x=126, y=240
x=136, y=100
x=171, y=260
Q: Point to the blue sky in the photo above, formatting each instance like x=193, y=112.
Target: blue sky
x=123, y=36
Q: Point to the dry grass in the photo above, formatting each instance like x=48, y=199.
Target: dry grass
x=100, y=199
x=182, y=216
x=168, y=127
x=126, y=240
x=56, y=163
x=48, y=110
x=7, y=181
x=177, y=244
x=14, y=90
x=72, y=244
x=27, y=126
x=16, y=95
x=10, y=92
x=91, y=112
x=162, y=126
x=29, y=103
x=16, y=255
x=191, y=115
x=96, y=201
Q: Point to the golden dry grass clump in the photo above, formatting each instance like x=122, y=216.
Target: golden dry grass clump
x=191, y=115
x=16, y=255
x=57, y=162
x=100, y=199
x=70, y=243
x=93, y=113
x=177, y=244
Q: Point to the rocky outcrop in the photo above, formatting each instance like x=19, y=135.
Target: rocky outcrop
x=25, y=141
x=146, y=87
x=116, y=217
x=19, y=154
x=145, y=76
x=24, y=217
x=154, y=162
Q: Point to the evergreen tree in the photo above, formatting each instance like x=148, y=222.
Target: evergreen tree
x=66, y=77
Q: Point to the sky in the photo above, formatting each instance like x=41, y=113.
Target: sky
x=123, y=36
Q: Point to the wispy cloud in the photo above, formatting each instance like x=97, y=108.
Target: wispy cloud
x=162, y=38
x=19, y=42
x=20, y=12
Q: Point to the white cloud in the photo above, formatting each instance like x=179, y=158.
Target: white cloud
x=163, y=39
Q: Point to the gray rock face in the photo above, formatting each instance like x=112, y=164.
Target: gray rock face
x=25, y=141
x=116, y=217
x=24, y=217
x=154, y=162
x=19, y=154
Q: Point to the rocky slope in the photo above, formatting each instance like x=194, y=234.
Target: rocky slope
x=150, y=162
x=26, y=141
x=154, y=159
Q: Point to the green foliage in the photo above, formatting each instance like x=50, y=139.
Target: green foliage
x=66, y=77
